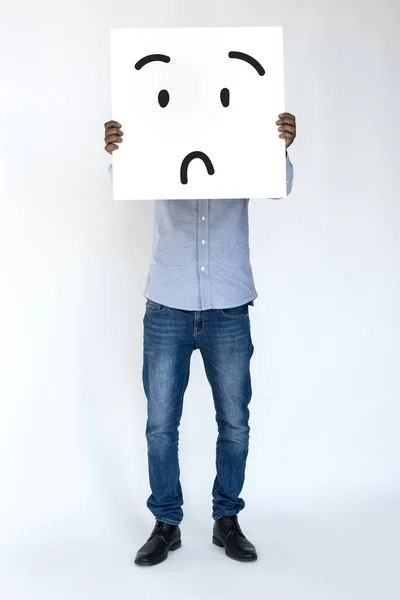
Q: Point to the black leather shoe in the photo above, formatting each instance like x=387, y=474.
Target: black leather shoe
x=164, y=538
x=228, y=535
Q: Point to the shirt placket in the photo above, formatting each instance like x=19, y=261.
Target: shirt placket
x=203, y=252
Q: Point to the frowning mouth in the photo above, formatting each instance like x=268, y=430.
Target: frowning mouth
x=188, y=159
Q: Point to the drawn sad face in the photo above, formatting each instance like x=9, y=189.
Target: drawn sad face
x=164, y=100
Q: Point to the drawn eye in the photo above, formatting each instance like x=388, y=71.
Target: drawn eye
x=225, y=97
x=163, y=98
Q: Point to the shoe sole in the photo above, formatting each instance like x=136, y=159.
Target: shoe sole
x=218, y=543
x=174, y=547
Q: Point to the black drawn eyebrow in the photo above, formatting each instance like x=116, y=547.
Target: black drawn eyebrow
x=249, y=59
x=151, y=58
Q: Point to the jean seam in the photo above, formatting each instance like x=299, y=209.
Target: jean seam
x=178, y=423
x=203, y=324
x=233, y=317
x=156, y=312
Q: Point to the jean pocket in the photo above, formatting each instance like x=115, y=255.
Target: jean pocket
x=154, y=307
x=238, y=312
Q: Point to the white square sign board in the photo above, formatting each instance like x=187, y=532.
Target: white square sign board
x=198, y=107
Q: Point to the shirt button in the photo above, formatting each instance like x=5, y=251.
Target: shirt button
x=203, y=218
x=203, y=241
x=202, y=268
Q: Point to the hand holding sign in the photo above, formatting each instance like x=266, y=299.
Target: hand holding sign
x=113, y=136
x=287, y=127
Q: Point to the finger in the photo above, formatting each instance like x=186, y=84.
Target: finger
x=114, y=131
x=112, y=124
x=287, y=115
x=288, y=128
x=286, y=121
x=112, y=139
x=287, y=137
x=111, y=147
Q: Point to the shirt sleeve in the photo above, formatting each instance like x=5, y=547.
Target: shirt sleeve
x=289, y=175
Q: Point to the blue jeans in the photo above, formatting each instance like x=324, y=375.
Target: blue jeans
x=224, y=340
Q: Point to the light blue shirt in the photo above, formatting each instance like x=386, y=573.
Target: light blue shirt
x=201, y=255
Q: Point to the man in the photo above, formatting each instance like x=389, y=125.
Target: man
x=199, y=287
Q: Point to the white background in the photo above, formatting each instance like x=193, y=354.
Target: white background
x=323, y=484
